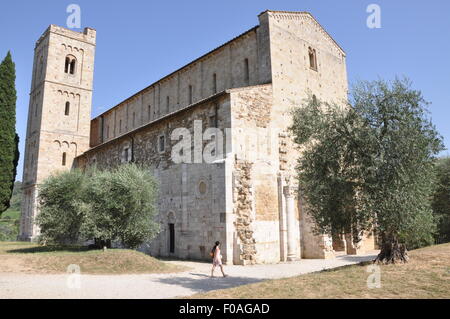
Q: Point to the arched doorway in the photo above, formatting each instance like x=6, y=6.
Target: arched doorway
x=171, y=238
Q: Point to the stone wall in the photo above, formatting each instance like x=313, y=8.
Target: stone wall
x=191, y=196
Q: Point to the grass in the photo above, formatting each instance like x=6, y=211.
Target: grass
x=426, y=275
x=32, y=258
x=10, y=214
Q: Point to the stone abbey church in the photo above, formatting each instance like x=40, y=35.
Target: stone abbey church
x=249, y=84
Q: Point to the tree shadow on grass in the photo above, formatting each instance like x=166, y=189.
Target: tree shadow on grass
x=204, y=283
x=359, y=259
x=47, y=249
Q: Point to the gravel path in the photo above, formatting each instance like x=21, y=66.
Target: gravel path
x=17, y=285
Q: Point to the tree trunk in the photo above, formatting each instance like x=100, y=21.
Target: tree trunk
x=392, y=252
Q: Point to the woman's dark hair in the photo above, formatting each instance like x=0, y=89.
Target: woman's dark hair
x=217, y=243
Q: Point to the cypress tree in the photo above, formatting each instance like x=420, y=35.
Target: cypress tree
x=9, y=140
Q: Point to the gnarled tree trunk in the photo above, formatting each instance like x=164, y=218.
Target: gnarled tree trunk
x=392, y=251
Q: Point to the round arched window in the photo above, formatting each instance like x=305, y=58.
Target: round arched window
x=202, y=188
x=70, y=64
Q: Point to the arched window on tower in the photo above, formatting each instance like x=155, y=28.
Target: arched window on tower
x=67, y=108
x=70, y=64
x=312, y=59
x=64, y=155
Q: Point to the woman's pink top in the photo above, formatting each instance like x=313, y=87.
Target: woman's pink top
x=217, y=256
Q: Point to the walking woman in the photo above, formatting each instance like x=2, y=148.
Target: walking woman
x=217, y=259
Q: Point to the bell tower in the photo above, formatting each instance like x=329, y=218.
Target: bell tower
x=59, y=112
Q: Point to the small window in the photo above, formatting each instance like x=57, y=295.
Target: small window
x=214, y=83
x=246, y=72
x=120, y=126
x=67, y=109
x=212, y=121
x=190, y=94
x=149, y=112
x=134, y=119
x=167, y=105
x=107, y=131
x=314, y=99
x=125, y=154
x=161, y=143
x=202, y=188
x=64, y=159
x=312, y=58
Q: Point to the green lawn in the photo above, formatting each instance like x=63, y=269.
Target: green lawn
x=32, y=258
x=10, y=214
x=427, y=275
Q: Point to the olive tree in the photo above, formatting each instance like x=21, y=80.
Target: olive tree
x=368, y=163
x=122, y=206
x=106, y=205
x=441, y=199
x=62, y=207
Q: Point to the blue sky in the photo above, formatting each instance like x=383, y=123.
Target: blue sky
x=139, y=42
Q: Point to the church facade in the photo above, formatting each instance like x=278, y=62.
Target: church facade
x=234, y=179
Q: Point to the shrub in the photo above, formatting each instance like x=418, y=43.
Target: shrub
x=108, y=205
x=62, y=207
x=122, y=206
